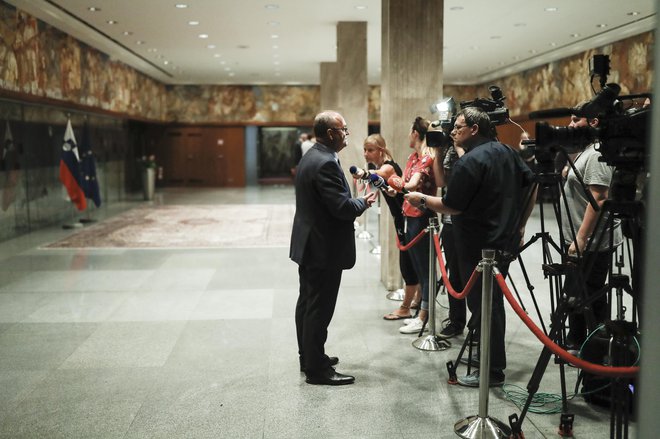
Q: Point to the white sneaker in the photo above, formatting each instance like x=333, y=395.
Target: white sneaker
x=413, y=327
x=408, y=320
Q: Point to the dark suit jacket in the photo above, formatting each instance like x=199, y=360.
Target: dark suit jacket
x=323, y=232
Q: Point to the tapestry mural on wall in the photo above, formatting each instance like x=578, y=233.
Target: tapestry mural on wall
x=40, y=60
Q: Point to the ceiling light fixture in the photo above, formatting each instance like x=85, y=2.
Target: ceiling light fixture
x=95, y=9
x=633, y=13
x=139, y=42
x=601, y=25
x=211, y=46
x=193, y=23
x=274, y=23
x=276, y=47
x=203, y=36
x=272, y=6
x=216, y=55
x=360, y=7
x=111, y=22
x=274, y=36
x=551, y=9
x=575, y=35
x=128, y=33
x=181, y=6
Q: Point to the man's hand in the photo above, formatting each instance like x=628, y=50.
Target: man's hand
x=414, y=198
x=370, y=198
x=579, y=244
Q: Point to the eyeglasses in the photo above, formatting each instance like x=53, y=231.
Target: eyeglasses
x=458, y=127
x=344, y=129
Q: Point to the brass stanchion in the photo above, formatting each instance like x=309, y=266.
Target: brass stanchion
x=482, y=426
x=432, y=342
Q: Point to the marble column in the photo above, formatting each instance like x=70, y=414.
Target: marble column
x=329, y=86
x=352, y=88
x=411, y=79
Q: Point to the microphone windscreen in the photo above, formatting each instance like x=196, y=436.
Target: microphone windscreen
x=352, y=169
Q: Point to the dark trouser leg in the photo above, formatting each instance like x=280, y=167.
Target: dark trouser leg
x=468, y=263
x=457, y=311
x=314, y=309
x=419, y=253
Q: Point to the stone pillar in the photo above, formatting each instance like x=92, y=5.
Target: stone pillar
x=352, y=88
x=329, y=82
x=411, y=79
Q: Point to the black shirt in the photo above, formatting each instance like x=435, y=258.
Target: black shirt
x=395, y=203
x=487, y=186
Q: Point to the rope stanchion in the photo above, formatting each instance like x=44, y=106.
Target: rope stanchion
x=481, y=425
x=474, y=277
x=412, y=242
x=596, y=369
x=431, y=342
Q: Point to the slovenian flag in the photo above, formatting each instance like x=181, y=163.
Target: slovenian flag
x=70, y=169
x=88, y=169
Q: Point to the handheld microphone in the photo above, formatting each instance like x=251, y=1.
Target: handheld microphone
x=396, y=183
x=357, y=172
x=378, y=181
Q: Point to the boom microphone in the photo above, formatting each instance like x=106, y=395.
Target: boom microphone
x=396, y=183
x=553, y=112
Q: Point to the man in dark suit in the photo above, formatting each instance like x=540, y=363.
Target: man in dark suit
x=322, y=244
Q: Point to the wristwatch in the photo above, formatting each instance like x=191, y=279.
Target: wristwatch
x=422, y=202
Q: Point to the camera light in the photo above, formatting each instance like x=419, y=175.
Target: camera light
x=445, y=108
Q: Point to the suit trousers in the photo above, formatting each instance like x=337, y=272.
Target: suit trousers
x=319, y=287
x=457, y=311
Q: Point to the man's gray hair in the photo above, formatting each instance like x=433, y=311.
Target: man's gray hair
x=323, y=122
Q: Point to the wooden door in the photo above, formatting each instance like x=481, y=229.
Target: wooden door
x=226, y=152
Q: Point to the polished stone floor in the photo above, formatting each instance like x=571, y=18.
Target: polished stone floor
x=185, y=343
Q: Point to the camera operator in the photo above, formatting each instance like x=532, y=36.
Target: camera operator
x=597, y=176
x=485, y=199
x=442, y=169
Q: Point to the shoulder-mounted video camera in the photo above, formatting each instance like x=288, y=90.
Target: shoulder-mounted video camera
x=446, y=108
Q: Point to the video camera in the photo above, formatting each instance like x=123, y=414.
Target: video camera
x=622, y=133
x=495, y=108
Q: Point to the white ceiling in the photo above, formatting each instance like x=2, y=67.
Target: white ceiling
x=483, y=39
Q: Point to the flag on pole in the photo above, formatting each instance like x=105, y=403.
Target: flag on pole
x=11, y=166
x=70, y=169
x=88, y=169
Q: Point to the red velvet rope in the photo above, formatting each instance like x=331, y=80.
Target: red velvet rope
x=414, y=241
x=596, y=369
x=474, y=277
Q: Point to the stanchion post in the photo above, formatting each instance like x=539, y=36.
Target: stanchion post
x=481, y=425
x=432, y=342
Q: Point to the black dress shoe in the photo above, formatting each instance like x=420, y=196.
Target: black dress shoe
x=332, y=361
x=329, y=377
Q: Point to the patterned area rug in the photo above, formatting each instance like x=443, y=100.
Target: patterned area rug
x=218, y=226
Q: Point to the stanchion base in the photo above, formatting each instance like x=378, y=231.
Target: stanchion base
x=364, y=235
x=476, y=427
x=375, y=250
x=431, y=343
x=396, y=295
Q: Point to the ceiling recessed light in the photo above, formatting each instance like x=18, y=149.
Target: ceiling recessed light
x=551, y=9
x=575, y=35
x=456, y=8
x=276, y=47
x=139, y=42
x=203, y=36
x=128, y=32
x=274, y=23
x=181, y=6
x=601, y=25
x=222, y=63
x=633, y=13
x=152, y=49
x=166, y=62
x=360, y=7
x=553, y=44
x=193, y=23
x=216, y=55
x=231, y=73
x=95, y=9
x=272, y=6
x=532, y=51
x=227, y=69
x=111, y=22
x=276, y=63
x=211, y=46
x=274, y=36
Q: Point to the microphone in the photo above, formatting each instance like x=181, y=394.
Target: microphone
x=378, y=181
x=396, y=183
x=358, y=172
x=553, y=112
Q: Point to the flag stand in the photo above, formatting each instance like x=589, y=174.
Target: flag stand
x=73, y=224
x=87, y=219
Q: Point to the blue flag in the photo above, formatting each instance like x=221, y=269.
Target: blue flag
x=90, y=184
